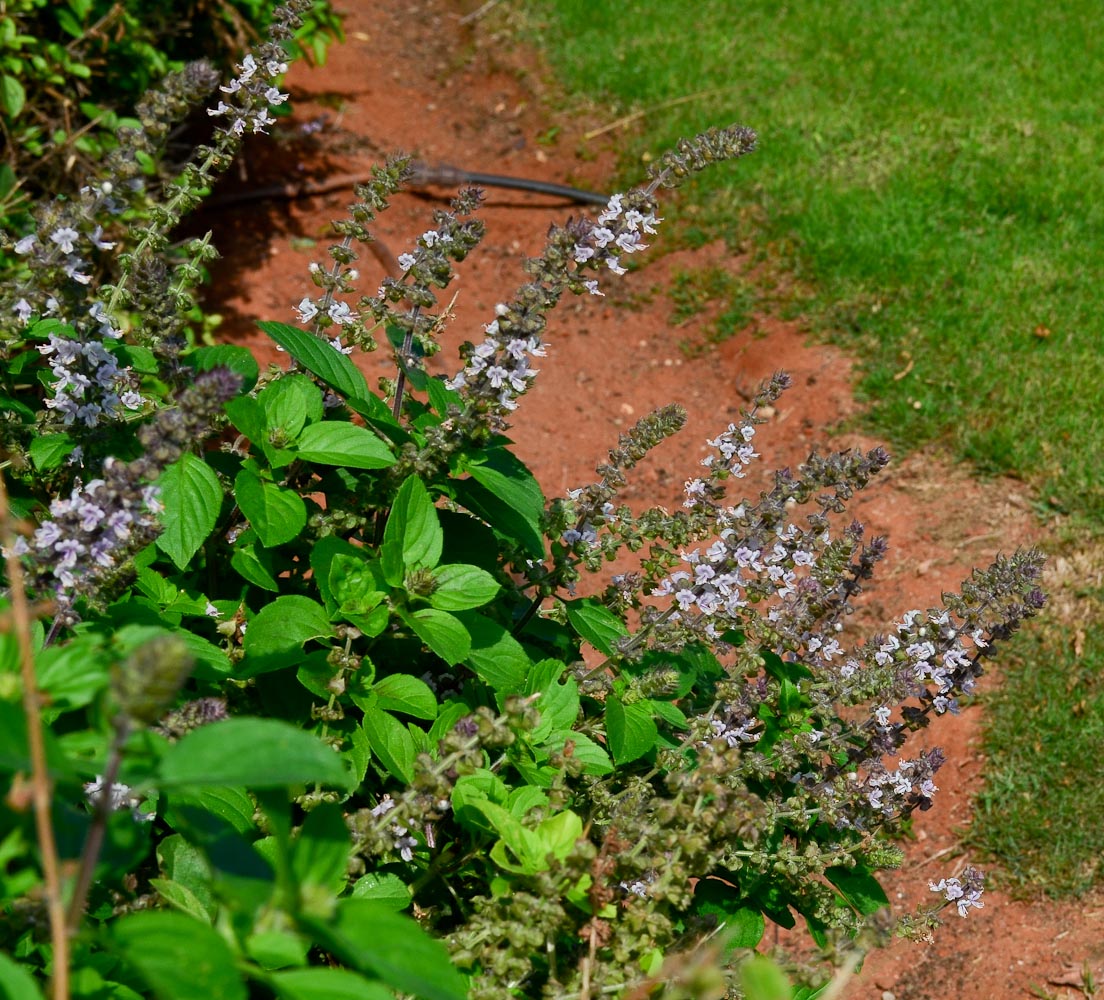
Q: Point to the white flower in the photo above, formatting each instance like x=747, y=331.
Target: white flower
x=25, y=245
x=406, y=261
x=306, y=310
x=64, y=236
x=340, y=313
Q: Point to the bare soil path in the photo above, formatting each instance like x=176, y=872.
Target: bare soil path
x=413, y=77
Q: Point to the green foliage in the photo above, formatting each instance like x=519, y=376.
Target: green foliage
x=319, y=707
x=72, y=71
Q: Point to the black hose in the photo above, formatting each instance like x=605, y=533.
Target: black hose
x=448, y=175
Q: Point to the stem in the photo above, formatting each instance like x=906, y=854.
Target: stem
x=36, y=744
x=404, y=355
x=96, y=831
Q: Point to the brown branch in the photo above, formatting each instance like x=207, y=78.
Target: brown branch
x=41, y=790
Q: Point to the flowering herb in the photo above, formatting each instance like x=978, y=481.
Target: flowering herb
x=331, y=642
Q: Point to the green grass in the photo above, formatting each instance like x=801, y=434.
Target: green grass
x=1039, y=813
x=929, y=171
x=935, y=167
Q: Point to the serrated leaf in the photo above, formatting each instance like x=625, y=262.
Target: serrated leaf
x=460, y=588
x=327, y=984
x=558, y=704
x=508, y=499
x=630, y=729
x=413, y=529
x=253, y=565
x=254, y=753
x=275, y=513
x=276, y=634
x=861, y=889
x=320, y=358
x=160, y=945
x=48, y=451
x=384, y=887
x=211, y=662
x=743, y=925
x=248, y=417
x=406, y=694
x=441, y=397
x=192, y=498
x=320, y=856
x=232, y=805
x=496, y=656
x=181, y=898
x=391, y=743
x=595, y=623
x=238, y=359
x=593, y=755
x=286, y=404
x=441, y=632
x=334, y=442
x=373, y=938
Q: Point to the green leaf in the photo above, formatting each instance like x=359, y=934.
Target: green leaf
x=327, y=984
x=391, y=743
x=320, y=857
x=255, y=753
x=406, y=694
x=286, y=405
x=12, y=96
x=384, y=887
x=743, y=925
x=861, y=889
x=460, y=588
x=16, y=983
x=593, y=755
x=277, y=949
x=559, y=833
x=412, y=529
x=192, y=497
x=253, y=562
x=373, y=938
x=596, y=623
x=230, y=805
x=761, y=979
x=48, y=451
x=248, y=417
x=238, y=359
x=630, y=729
x=187, y=875
x=181, y=898
x=496, y=656
x=161, y=946
x=558, y=704
x=441, y=632
x=504, y=493
x=318, y=357
x=335, y=442
x=275, y=513
x=275, y=635
x=322, y=556
x=441, y=397
x=74, y=674
x=211, y=662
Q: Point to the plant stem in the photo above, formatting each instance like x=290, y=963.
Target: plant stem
x=404, y=356
x=102, y=810
x=36, y=745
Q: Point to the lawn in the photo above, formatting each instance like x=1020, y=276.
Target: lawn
x=930, y=172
